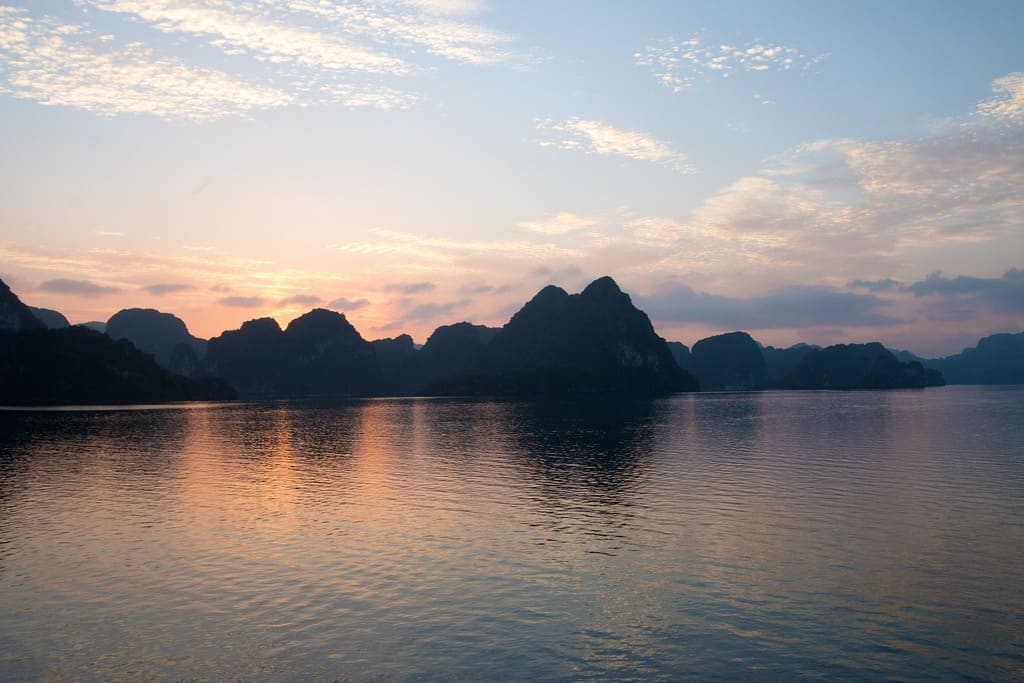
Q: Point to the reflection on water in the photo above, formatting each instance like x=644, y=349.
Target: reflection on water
x=811, y=534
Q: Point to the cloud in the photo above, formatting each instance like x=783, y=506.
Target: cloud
x=794, y=306
x=1009, y=107
x=410, y=287
x=883, y=285
x=848, y=205
x=559, y=223
x=439, y=251
x=244, y=29
x=439, y=28
x=679, y=64
x=348, y=304
x=595, y=137
x=1005, y=293
x=242, y=301
x=291, y=52
x=483, y=288
x=64, y=64
x=426, y=312
x=108, y=233
x=77, y=288
x=300, y=300
x=552, y=274
x=167, y=288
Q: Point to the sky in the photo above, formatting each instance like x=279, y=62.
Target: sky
x=821, y=172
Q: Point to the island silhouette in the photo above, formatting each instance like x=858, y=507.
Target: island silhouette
x=592, y=343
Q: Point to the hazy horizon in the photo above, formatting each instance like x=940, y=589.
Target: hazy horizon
x=817, y=174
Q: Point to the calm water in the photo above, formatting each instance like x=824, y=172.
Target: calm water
x=773, y=535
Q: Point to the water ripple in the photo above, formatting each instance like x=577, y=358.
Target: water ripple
x=774, y=535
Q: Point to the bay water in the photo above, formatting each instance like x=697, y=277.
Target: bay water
x=830, y=535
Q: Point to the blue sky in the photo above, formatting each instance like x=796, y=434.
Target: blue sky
x=806, y=171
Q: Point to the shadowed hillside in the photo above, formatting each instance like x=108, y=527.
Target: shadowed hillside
x=588, y=343
x=319, y=353
x=162, y=335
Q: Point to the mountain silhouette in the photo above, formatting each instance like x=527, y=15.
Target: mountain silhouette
x=392, y=353
x=54, y=320
x=858, y=366
x=780, y=362
x=76, y=365
x=14, y=315
x=450, y=351
x=319, y=353
x=95, y=325
x=729, y=361
x=681, y=353
x=593, y=342
x=162, y=335
x=997, y=359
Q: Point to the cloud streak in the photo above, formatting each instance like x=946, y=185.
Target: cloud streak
x=410, y=287
x=53, y=63
x=291, y=52
x=595, y=137
x=796, y=306
x=1009, y=105
x=241, y=29
x=559, y=223
x=344, y=304
x=426, y=312
x=300, y=300
x=168, y=288
x=1005, y=293
x=85, y=288
x=678, y=65
x=242, y=301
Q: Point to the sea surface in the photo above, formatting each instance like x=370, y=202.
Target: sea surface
x=830, y=535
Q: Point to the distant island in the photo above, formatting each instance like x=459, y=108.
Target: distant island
x=593, y=343
x=77, y=365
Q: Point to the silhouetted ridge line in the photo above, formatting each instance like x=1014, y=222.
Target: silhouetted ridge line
x=729, y=361
x=76, y=365
x=164, y=336
x=319, y=354
x=14, y=315
x=859, y=366
x=594, y=342
x=54, y=320
x=997, y=359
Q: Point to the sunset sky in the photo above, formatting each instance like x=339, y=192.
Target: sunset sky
x=813, y=171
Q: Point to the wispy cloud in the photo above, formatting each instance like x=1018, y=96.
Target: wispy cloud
x=300, y=300
x=77, y=287
x=1005, y=293
x=440, y=28
x=559, y=223
x=291, y=52
x=596, y=137
x=256, y=30
x=168, y=288
x=1009, y=106
x=678, y=64
x=884, y=285
x=438, y=251
x=242, y=301
x=852, y=203
x=344, y=304
x=796, y=306
x=426, y=312
x=63, y=64
x=410, y=287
